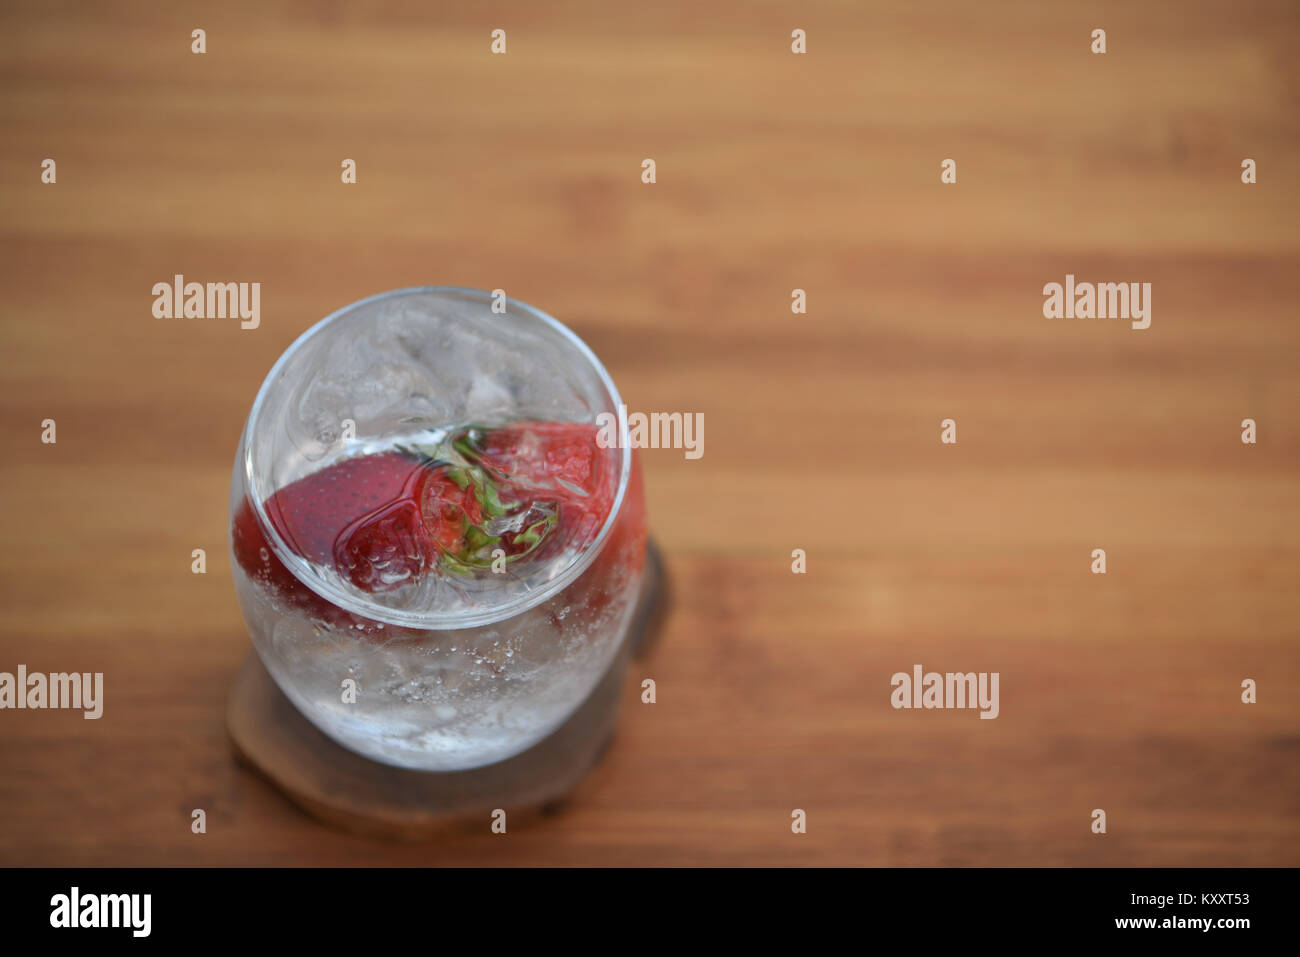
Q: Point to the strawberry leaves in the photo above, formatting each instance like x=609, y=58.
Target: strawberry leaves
x=491, y=518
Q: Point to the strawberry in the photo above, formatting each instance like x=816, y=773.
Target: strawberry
x=385, y=549
x=387, y=520
x=564, y=460
x=562, y=457
x=379, y=520
x=314, y=513
x=449, y=507
x=622, y=554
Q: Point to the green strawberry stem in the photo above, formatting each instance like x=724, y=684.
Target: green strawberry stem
x=477, y=543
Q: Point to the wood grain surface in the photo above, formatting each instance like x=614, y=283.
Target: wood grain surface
x=774, y=171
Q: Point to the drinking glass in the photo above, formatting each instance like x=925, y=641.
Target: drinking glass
x=437, y=526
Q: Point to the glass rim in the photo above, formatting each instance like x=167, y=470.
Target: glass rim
x=300, y=567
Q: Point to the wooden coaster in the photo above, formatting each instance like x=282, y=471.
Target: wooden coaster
x=342, y=788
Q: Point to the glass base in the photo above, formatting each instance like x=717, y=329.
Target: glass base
x=345, y=789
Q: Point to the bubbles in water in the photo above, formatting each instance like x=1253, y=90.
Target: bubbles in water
x=414, y=368
x=423, y=366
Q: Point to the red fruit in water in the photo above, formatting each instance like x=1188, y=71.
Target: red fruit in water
x=560, y=459
x=312, y=513
x=622, y=554
x=447, y=509
x=565, y=459
x=558, y=456
x=378, y=520
x=259, y=561
x=384, y=521
x=350, y=513
x=385, y=549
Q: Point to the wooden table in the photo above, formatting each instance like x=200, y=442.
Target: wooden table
x=775, y=171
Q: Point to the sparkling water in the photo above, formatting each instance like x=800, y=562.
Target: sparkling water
x=458, y=621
